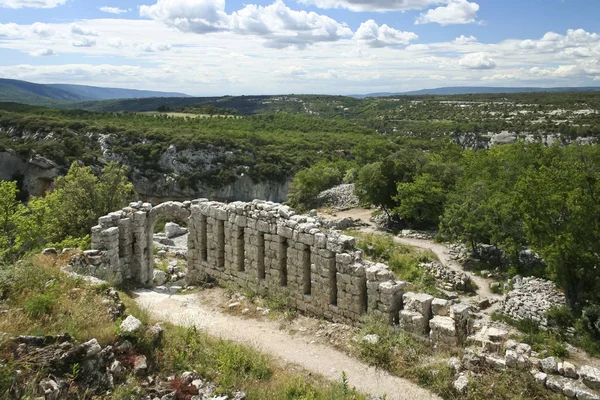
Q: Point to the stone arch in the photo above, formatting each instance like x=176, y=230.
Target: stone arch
x=171, y=210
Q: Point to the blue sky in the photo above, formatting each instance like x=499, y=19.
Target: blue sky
x=217, y=47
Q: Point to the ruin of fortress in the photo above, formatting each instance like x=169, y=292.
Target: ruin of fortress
x=265, y=246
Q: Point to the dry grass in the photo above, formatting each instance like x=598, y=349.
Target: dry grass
x=44, y=301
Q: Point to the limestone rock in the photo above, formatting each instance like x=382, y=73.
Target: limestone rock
x=131, y=324
x=174, y=230
x=440, y=307
x=159, y=277
x=371, y=339
x=461, y=384
x=570, y=371
x=140, y=365
x=590, y=376
x=549, y=365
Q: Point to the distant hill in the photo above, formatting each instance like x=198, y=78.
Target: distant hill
x=12, y=90
x=480, y=90
x=101, y=93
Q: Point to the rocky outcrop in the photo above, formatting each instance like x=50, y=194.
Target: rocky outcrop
x=35, y=173
x=340, y=197
x=531, y=298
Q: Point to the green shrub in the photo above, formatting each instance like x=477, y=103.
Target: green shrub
x=39, y=304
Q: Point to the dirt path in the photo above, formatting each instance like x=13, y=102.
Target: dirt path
x=188, y=310
x=440, y=250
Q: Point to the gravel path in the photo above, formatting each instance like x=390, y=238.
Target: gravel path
x=440, y=250
x=265, y=336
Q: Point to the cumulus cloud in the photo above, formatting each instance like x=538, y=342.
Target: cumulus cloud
x=562, y=71
x=116, y=43
x=113, y=10
x=31, y=3
x=198, y=16
x=42, y=53
x=456, y=12
x=277, y=23
x=154, y=47
x=84, y=42
x=42, y=29
x=9, y=31
x=463, y=40
x=81, y=31
x=375, y=5
x=380, y=36
x=577, y=41
x=477, y=61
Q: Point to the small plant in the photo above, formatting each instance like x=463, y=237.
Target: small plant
x=39, y=304
x=183, y=391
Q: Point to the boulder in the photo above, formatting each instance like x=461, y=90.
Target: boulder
x=440, y=307
x=159, y=277
x=570, y=371
x=590, y=376
x=549, y=365
x=131, y=324
x=174, y=230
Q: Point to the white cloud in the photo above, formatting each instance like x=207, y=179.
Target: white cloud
x=562, y=71
x=477, y=61
x=154, y=47
x=278, y=24
x=456, y=12
x=116, y=43
x=463, y=40
x=198, y=16
x=42, y=29
x=42, y=53
x=438, y=77
x=375, y=5
x=31, y=3
x=380, y=36
x=499, y=77
x=81, y=31
x=9, y=31
x=84, y=42
x=113, y=10
x=574, y=39
x=294, y=70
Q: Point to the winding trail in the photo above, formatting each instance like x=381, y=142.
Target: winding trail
x=265, y=336
x=440, y=250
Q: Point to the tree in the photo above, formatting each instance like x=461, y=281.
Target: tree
x=9, y=209
x=421, y=201
x=560, y=204
x=309, y=182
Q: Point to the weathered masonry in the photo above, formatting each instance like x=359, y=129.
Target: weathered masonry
x=267, y=247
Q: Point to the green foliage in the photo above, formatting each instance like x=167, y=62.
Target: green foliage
x=39, y=304
x=402, y=260
x=590, y=318
x=63, y=217
x=421, y=200
x=309, y=182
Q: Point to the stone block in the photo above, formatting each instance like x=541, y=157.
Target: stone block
x=440, y=307
x=418, y=302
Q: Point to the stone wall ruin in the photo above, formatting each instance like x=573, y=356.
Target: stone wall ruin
x=265, y=246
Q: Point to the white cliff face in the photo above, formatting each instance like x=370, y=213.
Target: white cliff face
x=37, y=173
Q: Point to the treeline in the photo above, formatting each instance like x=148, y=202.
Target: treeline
x=514, y=197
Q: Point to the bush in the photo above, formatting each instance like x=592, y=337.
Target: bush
x=591, y=320
x=39, y=304
x=309, y=182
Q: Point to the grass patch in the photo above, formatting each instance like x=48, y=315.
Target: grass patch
x=547, y=343
x=41, y=300
x=409, y=357
x=403, y=260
